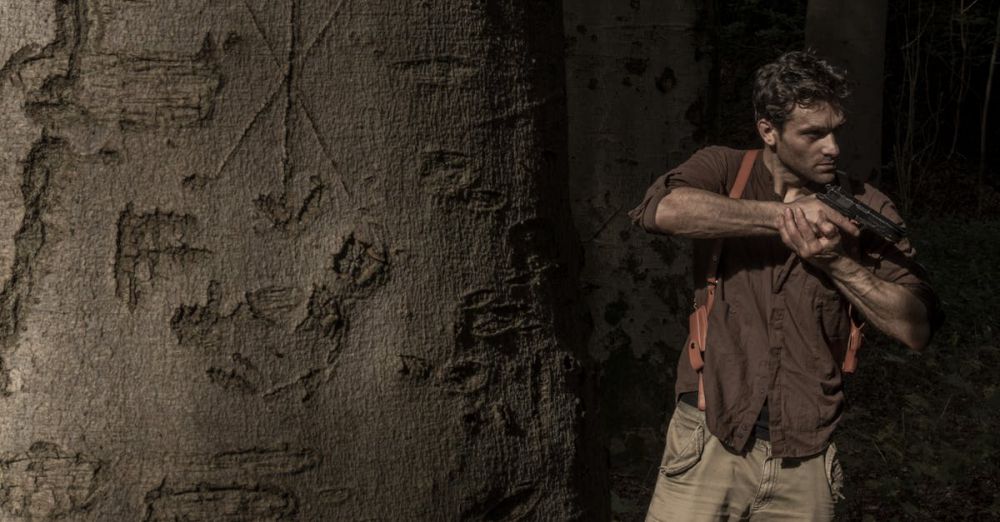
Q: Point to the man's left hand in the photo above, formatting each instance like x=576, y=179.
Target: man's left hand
x=815, y=242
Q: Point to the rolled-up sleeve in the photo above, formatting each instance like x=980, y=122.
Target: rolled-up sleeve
x=706, y=170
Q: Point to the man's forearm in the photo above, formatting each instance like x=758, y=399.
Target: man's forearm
x=890, y=307
x=690, y=212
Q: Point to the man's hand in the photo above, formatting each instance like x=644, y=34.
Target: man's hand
x=815, y=241
x=816, y=211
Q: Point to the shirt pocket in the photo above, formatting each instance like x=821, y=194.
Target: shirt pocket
x=685, y=441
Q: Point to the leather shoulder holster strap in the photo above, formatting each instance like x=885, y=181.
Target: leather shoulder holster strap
x=698, y=321
x=735, y=193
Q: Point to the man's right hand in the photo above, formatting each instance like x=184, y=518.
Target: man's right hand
x=817, y=212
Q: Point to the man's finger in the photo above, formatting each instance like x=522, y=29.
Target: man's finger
x=828, y=230
x=812, y=224
x=843, y=223
x=791, y=229
x=804, y=226
x=824, y=227
x=800, y=232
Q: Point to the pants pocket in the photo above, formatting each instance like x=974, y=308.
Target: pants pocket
x=834, y=473
x=685, y=440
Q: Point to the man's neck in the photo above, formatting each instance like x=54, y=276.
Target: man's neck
x=787, y=184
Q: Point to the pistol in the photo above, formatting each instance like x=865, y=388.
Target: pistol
x=862, y=214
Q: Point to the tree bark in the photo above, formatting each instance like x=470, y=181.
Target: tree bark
x=636, y=84
x=288, y=260
x=852, y=35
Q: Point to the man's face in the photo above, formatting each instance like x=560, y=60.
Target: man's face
x=807, y=145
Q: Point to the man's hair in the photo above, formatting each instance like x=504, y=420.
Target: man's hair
x=796, y=78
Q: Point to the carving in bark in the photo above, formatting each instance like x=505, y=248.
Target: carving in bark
x=288, y=260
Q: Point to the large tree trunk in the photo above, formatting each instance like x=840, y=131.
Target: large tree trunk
x=636, y=81
x=287, y=260
x=852, y=35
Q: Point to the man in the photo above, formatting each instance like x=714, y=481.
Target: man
x=791, y=274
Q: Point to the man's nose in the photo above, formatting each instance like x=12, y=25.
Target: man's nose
x=830, y=147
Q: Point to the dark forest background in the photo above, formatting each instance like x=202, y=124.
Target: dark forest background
x=919, y=438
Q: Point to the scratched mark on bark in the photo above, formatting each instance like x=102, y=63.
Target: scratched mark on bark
x=18, y=59
x=464, y=376
x=440, y=71
x=255, y=350
x=519, y=111
x=337, y=495
x=274, y=303
x=150, y=245
x=414, y=368
x=210, y=503
x=143, y=91
x=362, y=262
x=497, y=317
x=47, y=483
x=453, y=177
x=501, y=318
x=535, y=246
x=468, y=378
x=497, y=417
x=33, y=67
x=288, y=206
x=506, y=419
x=45, y=156
x=245, y=465
x=267, y=461
x=50, y=66
x=230, y=485
x=242, y=376
x=446, y=172
x=65, y=86
x=283, y=212
x=457, y=376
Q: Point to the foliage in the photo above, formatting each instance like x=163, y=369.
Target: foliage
x=918, y=440
x=937, y=64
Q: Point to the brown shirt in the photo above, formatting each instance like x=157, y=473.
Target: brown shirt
x=779, y=328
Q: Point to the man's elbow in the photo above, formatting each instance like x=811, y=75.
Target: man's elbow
x=666, y=219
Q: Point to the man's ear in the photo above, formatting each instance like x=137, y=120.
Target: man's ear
x=768, y=132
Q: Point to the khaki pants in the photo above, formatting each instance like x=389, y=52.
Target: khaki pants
x=700, y=479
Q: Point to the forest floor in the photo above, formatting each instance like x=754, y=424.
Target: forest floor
x=918, y=440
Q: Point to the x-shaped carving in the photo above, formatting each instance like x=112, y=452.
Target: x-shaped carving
x=296, y=59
